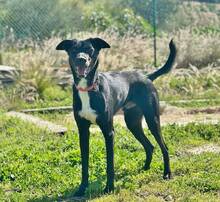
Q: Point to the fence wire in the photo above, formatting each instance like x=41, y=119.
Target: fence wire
x=35, y=18
x=26, y=20
x=40, y=19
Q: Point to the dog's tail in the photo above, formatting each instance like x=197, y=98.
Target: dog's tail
x=168, y=65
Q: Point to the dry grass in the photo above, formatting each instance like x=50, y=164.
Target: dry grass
x=190, y=83
x=36, y=61
x=125, y=52
x=198, y=50
x=194, y=14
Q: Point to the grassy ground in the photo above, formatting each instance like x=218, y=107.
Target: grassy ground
x=39, y=166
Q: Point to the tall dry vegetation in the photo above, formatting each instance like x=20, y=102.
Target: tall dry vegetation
x=37, y=62
x=190, y=83
x=195, y=49
x=126, y=52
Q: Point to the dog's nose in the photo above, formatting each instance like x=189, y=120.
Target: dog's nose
x=80, y=61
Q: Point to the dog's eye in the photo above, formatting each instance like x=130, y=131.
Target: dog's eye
x=90, y=51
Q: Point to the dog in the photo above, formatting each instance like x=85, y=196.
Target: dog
x=99, y=96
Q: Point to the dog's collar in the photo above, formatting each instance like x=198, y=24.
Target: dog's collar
x=89, y=88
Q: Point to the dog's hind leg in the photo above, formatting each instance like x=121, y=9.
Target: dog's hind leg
x=133, y=119
x=151, y=113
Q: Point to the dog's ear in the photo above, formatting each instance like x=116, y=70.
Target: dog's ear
x=98, y=43
x=66, y=45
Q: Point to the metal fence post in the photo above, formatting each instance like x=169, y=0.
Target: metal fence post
x=155, y=32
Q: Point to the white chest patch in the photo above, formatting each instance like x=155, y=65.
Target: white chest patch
x=87, y=112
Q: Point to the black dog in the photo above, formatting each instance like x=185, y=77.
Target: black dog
x=98, y=96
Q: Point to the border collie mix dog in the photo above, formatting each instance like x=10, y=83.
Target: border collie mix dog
x=98, y=96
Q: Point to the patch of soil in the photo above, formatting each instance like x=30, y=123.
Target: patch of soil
x=179, y=117
x=212, y=110
x=183, y=116
x=205, y=148
x=176, y=115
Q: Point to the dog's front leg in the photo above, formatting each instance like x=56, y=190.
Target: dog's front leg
x=83, y=127
x=109, y=142
x=108, y=132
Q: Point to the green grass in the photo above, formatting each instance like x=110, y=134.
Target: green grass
x=39, y=166
x=52, y=96
x=195, y=103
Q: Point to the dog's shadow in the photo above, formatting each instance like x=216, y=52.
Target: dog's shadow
x=94, y=191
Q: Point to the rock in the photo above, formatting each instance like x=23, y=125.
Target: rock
x=7, y=75
x=12, y=177
x=62, y=76
x=168, y=198
x=163, y=106
x=52, y=127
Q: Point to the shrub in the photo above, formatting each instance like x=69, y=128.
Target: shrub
x=97, y=20
x=125, y=23
x=129, y=22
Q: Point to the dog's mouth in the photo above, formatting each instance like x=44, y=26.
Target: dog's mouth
x=82, y=71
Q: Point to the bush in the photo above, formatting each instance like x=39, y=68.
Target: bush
x=128, y=22
x=125, y=23
x=97, y=20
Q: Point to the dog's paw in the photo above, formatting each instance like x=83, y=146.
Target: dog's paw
x=146, y=167
x=81, y=191
x=108, y=189
x=167, y=176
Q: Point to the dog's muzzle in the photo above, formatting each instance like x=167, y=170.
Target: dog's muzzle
x=82, y=63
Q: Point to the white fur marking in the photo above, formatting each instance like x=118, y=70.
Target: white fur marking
x=130, y=105
x=87, y=112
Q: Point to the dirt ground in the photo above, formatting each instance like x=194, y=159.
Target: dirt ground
x=213, y=148
x=182, y=116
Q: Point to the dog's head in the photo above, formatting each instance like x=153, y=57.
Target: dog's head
x=83, y=55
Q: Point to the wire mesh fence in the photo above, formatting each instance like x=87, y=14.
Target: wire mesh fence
x=23, y=21
x=34, y=18
x=40, y=19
